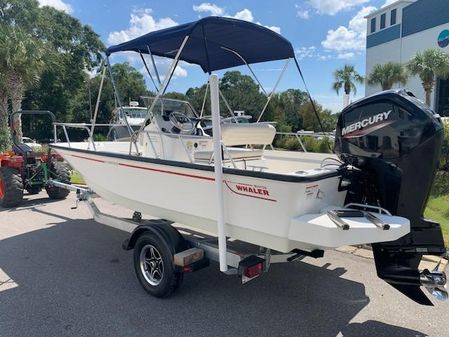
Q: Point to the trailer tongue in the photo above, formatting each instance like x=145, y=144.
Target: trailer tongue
x=396, y=158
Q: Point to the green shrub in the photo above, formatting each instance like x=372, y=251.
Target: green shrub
x=325, y=145
x=99, y=137
x=292, y=144
x=444, y=159
x=310, y=143
x=440, y=185
x=5, y=139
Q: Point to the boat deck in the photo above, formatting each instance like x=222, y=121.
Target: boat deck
x=271, y=161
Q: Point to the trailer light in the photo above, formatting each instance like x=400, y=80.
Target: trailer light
x=253, y=271
x=251, y=267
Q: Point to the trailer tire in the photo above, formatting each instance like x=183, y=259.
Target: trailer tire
x=11, y=187
x=60, y=171
x=153, y=263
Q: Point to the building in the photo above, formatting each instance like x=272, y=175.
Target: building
x=395, y=33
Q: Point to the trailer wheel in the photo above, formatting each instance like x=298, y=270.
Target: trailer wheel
x=60, y=171
x=153, y=263
x=11, y=187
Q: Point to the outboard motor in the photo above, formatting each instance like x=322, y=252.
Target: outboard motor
x=391, y=143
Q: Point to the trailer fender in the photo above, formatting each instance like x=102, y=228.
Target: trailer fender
x=163, y=230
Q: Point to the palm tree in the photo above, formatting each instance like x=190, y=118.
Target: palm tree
x=429, y=65
x=346, y=78
x=21, y=64
x=387, y=75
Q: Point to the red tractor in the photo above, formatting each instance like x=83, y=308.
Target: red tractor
x=25, y=169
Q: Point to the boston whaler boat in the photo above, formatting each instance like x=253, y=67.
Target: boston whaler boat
x=226, y=184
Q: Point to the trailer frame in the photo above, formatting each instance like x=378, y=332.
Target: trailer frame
x=243, y=259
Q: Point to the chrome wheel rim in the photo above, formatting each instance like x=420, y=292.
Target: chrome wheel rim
x=151, y=265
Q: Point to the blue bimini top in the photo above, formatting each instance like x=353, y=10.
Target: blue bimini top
x=213, y=43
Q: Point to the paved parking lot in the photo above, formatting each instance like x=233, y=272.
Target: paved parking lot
x=61, y=274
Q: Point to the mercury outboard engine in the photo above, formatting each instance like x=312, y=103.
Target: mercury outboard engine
x=391, y=143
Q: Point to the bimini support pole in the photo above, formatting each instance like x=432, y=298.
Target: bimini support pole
x=273, y=91
x=164, y=84
x=204, y=100
x=117, y=97
x=97, y=106
x=215, y=110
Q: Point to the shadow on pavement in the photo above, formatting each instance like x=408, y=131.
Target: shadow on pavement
x=29, y=202
x=378, y=329
x=73, y=279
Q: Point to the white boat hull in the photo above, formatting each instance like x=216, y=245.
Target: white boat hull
x=271, y=213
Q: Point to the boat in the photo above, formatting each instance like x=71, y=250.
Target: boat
x=135, y=116
x=373, y=191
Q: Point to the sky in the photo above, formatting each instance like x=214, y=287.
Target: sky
x=325, y=34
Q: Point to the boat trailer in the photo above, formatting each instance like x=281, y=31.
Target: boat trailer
x=163, y=252
x=179, y=249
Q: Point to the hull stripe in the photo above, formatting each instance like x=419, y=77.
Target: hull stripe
x=168, y=172
x=178, y=174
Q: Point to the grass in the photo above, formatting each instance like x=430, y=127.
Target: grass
x=438, y=210
x=75, y=178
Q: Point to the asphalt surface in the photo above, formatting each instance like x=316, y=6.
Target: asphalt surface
x=61, y=274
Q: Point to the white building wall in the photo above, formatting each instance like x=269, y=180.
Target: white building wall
x=402, y=49
x=418, y=42
x=387, y=52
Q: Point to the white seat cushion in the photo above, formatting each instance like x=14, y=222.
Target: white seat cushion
x=234, y=134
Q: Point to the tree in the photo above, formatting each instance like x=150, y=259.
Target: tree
x=290, y=102
x=74, y=48
x=21, y=65
x=70, y=49
x=346, y=78
x=196, y=96
x=130, y=85
x=310, y=121
x=387, y=75
x=242, y=93
x=4, y=130
x=429, y=65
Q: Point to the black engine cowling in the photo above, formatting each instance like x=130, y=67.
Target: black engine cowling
x=394, y=140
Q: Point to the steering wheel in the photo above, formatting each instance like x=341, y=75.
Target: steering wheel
x=181, y=121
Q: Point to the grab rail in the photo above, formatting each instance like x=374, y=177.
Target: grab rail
x=83, y=126
x=133, y=139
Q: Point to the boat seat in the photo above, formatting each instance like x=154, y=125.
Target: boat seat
x=231, y=153
x=234, y=134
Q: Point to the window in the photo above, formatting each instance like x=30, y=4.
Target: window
x=442, y=106
x=373, y=25
x=382, y=21
x=393, y=17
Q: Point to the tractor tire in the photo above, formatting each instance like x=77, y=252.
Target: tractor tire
x=11, y=187
x=60, y=172
x=33, y=189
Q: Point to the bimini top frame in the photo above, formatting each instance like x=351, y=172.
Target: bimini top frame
x=210, y=41
x=213, y=43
